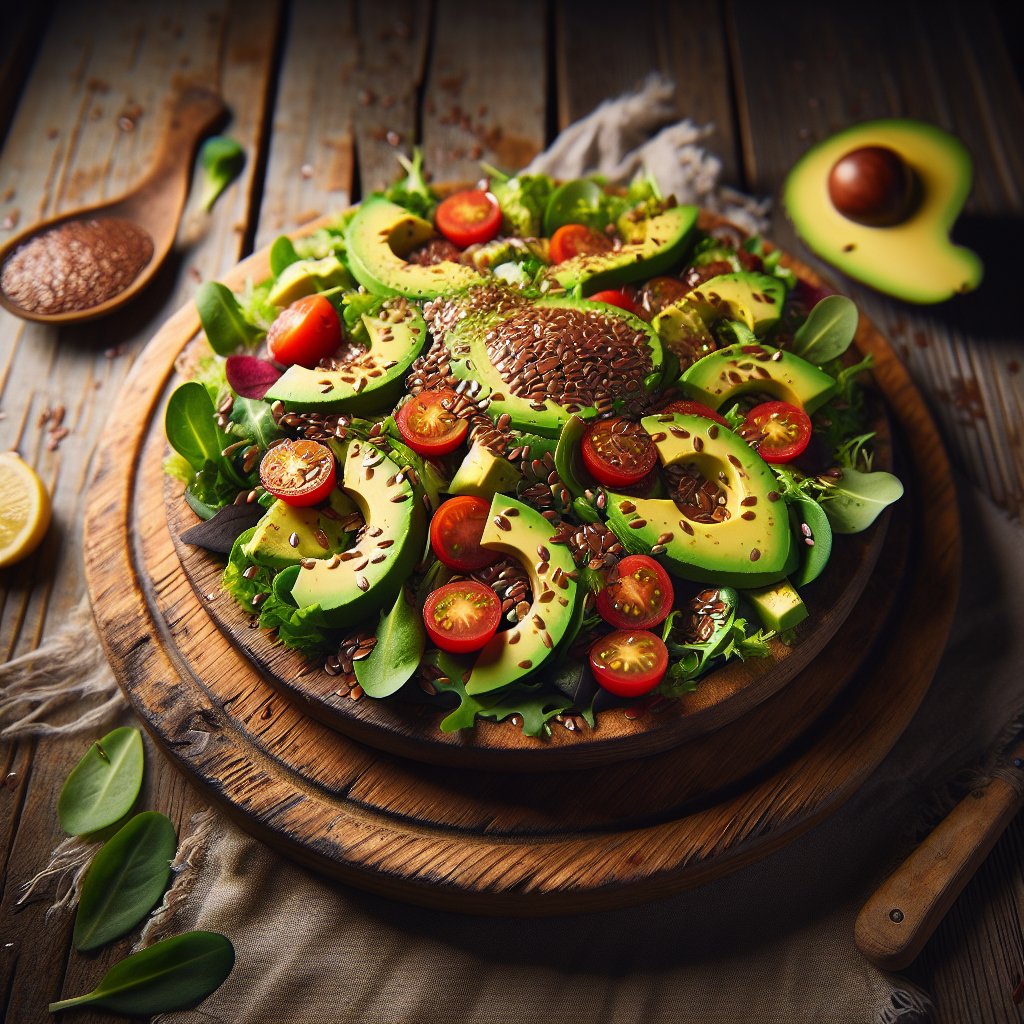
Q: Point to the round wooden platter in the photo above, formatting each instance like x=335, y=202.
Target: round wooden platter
x=495, y=842
x=410, y=730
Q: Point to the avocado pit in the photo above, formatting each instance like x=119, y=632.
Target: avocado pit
x=872, y=185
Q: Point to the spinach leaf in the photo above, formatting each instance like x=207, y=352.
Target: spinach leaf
x=226, y=328
x=576, y=202
x=103, y=786
x=857, y=499
x=125, y=879
x=282, y=254
x=171, y=975
x=252, y=419
x=828, y=330
x=400, y=643
x=190, y=428
x=221, y=161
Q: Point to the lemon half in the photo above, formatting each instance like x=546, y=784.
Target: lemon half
x=24, y=509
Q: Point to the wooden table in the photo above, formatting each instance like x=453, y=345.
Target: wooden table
x=323, y=97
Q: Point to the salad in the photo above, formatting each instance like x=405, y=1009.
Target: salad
x=525, y=451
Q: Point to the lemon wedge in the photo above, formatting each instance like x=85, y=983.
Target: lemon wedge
x=24, y=509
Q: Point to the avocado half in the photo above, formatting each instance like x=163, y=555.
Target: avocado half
x=913, y=259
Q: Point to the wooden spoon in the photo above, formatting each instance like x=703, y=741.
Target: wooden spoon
x=154, y=205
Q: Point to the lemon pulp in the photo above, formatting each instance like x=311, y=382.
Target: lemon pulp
x=24, y=509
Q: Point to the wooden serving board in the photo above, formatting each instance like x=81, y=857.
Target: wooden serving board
x=488, y=841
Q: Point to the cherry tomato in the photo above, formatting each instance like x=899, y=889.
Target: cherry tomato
x=469, y=217
x=777, y=431
x=306, y=332
x=614, y=297
x=299, y=472
x=428, y=427
x=577, y=240
x=629, y=662
x=455, y=533
x=638, y=596
x=660, y=292
x=618, y=453
x=462, y=616
x=688, y=408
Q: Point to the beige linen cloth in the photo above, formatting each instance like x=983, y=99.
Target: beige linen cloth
x=770, y=943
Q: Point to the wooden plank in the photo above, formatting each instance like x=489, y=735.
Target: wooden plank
x=310, y=169
x=486, y=92
x=393, y=40
x=110, y=65
x=593, y=63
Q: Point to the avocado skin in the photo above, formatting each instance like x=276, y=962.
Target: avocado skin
x=913, y=260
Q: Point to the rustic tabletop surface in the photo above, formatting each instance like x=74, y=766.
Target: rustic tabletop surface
x=323, y=96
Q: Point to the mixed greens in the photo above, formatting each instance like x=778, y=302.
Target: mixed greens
x=525, y=451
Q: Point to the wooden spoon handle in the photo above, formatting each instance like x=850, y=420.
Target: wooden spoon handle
x=194, y=112
x=905, y=910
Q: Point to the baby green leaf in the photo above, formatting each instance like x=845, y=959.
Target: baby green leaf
x=125, y=879
x=190, y=428
x=226, y=328
x=828, y=330
x=282, y=254
x=857, y=499
x=221, y=161
x=400, y=642
x=103, y=786
x=171, y=975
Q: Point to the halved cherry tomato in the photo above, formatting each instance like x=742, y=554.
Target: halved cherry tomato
x=577, y=240
x=614, y=297
x=455, y=533
x=688, y=408
x=428, y=426
x=777, y=431
x=469, y=217
x=305, y=332
x=462, y=616
x=618, y=453
x=638, y=596
x=299, y=472
x=629, y=662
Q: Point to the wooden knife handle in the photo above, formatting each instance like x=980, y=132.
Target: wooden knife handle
x=905, y=910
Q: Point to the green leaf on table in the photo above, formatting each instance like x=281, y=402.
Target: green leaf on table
x=857, y=499
x=828, y=330
x=103, y=786
x=125, y=880
x=190, y=428
x=171, y=975
x=220, y=161
x=401, y=639
x=223, y=322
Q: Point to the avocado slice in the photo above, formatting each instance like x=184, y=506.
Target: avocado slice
x=373, y=380
x=521, y=531
x=484, y=474
x=379, y=237
x=317, y=532
x=731, y=371
x=353, y=586
x=779, y=606
x=752, y=548
x=509, y=323
x=304, y=277
x=913, y=259
x=666, y=238
x=753, y=299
